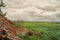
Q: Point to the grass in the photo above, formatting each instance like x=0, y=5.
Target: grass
x=49, y=30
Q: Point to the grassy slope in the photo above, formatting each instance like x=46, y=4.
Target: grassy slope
x=49, y=30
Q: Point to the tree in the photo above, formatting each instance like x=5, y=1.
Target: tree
x=2, y=5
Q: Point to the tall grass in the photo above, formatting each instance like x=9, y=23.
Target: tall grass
x=49, y=30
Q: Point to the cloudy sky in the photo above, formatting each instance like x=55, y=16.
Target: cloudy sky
x=33, y=10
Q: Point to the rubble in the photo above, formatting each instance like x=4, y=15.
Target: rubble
x=10, y=30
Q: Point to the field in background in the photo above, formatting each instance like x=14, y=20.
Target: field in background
x=49, y=30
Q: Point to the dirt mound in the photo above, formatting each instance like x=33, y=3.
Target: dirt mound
x=9, y=29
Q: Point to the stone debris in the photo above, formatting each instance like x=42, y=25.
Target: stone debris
x=10, y=30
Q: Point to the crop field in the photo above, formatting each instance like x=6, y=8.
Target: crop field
x=49, y=30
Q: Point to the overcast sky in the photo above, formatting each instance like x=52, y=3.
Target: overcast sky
x=33, y=10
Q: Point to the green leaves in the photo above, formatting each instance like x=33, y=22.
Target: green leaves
x=2, y=5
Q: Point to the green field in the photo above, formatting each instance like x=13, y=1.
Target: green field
x=49, y=30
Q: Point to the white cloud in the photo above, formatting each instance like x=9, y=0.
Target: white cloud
x=33, y=10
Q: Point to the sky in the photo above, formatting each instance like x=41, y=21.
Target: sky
x=33, y=10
